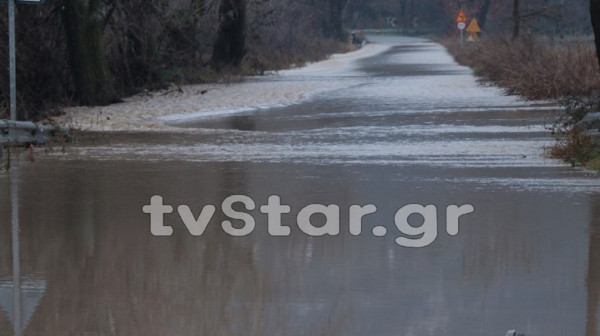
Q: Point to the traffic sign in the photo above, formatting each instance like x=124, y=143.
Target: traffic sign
x=473, y=30
x=474, y=27
x=461, y=17
x=462, y=25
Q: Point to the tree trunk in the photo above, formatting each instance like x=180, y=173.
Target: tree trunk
x=516, y=17
x=336, y=14
x=333, y=18
x=230, y=45
x=404, y=13
x=483, y=13
x=85, y=42
x=595, y=12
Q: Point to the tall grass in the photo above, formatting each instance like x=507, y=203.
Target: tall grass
x=544, y=69
x=534, y=69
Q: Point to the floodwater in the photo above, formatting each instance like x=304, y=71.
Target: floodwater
x=410, y=127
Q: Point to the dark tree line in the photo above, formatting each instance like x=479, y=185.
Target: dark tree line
x=94, y=52
x=494, y=16
x=97, y=51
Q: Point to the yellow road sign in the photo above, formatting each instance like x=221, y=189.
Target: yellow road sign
x=461, y=17
x=474, y=27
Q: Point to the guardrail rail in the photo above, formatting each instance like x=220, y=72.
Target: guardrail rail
x=24, y=133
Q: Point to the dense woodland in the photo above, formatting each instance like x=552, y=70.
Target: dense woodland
x=96, y=52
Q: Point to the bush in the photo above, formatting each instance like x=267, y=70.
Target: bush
x=576, y=148
x=573, y=144
x=576, y=108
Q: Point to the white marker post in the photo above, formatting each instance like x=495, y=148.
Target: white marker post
x=12, y=53
x=462, y=26
x=12, y=60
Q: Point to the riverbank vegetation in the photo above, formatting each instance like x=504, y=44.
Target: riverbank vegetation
x=545, y=68
x=575, y=144
x=536, y=61
x=95, y=52
x=562, y=69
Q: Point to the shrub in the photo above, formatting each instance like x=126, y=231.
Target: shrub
x=573, y=144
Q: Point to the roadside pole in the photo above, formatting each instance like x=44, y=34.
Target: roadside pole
x=12, y=60
x=12, y=51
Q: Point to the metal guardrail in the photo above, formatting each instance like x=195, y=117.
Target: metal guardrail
x=400, y=31
x=19, y=133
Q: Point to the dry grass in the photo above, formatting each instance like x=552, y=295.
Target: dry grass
x=531, y=68
x=544, y=69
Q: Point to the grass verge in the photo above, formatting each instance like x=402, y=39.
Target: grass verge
x=534, y=69
x=565, y=69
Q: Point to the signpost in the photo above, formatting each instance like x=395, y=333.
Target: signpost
x=12, y=60
x=461, y=21
x=12, y=52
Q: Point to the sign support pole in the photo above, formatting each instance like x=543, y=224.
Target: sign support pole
x=12, y=60
x=461, y=20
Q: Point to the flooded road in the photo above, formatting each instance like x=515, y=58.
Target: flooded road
x=409, y=126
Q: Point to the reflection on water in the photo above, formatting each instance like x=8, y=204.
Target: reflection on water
x=20, y=295
x=593, y=273
x=242, y=123
x=518, y=262
x=526, y=259
x=115, y=278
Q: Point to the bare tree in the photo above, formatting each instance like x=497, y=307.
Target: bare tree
x=334, y=26
x=483, y=13
x=84, y=27
x=230, y=47
x=516, y=19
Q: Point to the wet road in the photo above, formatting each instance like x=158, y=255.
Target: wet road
x=409, y=127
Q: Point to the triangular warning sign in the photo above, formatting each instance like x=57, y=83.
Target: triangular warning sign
x=461, y=17
x=474, y=27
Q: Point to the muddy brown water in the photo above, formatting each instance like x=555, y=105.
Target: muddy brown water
x=411, y=127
